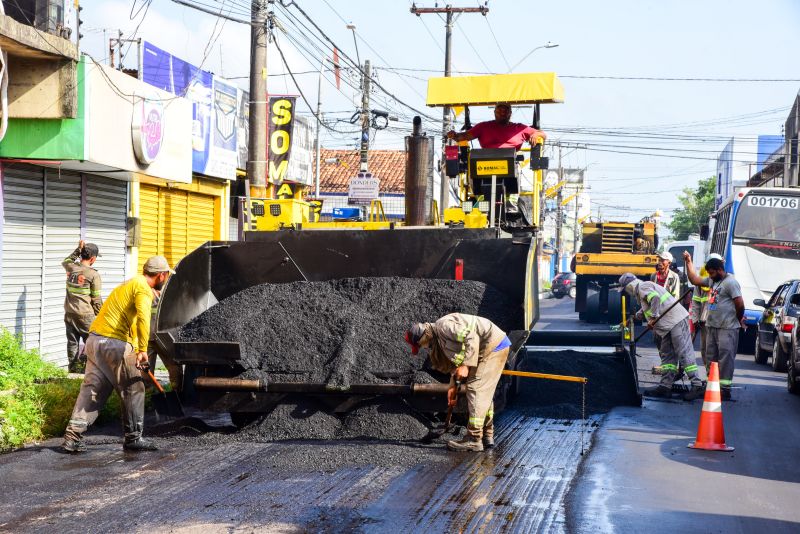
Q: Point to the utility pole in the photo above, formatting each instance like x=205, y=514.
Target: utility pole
x=319, y=124
x=575, y=227
x=257, y=142
x=559, y=210
x=449, y=11
x=365, y=116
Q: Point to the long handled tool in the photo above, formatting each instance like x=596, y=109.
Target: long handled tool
x=165, y=403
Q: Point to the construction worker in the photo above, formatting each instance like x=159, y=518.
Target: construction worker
x=698, y=313
x=501, y=132
x=725, y=317
x=83, y=300
x=666, y=277
x=672, y=328
x=113, y=363
x=471, y=349
x=175, y=371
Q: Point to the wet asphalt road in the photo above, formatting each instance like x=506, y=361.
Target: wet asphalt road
x=214, y=483
x=637, y=475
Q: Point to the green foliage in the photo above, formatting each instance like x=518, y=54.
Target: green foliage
x=57, y=398
x=697, y=204
x=21, y=415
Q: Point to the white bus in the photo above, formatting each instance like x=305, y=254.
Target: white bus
x=757, y=231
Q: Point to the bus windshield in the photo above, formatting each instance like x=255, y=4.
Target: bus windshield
x=768, y=217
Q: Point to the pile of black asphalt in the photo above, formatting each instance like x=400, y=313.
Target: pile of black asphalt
x=342, y=332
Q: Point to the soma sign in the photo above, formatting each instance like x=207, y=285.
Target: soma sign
x=280, y=124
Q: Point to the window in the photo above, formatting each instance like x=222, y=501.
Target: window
x=677, y=255
x=778, y=297
x=720, y=236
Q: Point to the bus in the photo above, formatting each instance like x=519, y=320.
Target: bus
x=757, y=231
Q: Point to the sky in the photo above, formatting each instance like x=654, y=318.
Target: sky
x=676, y=128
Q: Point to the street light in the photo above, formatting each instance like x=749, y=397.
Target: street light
x=548, y=44
x=352, y=27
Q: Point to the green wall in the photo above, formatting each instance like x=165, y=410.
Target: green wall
x=54, y=139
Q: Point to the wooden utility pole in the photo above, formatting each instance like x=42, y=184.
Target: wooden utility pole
x=449, y=11
x=257, y=141
x=365, y=116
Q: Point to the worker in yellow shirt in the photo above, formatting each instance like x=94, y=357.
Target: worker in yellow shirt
x=113, y=363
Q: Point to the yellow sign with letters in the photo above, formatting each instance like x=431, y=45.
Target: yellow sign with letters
x=489, y=168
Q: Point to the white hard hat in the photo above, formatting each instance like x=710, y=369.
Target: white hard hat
x=714, y=257
x=666, y=256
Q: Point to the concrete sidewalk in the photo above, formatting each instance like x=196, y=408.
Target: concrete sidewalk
x=641, y=477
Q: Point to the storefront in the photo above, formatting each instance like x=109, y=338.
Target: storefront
x=73, y=179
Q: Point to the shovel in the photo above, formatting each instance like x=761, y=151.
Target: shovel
x=165, y=403
x=435, y=434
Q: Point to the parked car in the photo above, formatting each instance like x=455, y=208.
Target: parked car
x=793, y=365
x=777, y=324
x=563, y=284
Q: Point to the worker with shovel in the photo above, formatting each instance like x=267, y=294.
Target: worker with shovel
x=671, y=324
x=113, y=363
x=471, y=349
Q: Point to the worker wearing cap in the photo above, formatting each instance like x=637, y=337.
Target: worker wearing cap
x=725, y=316
x=501, y=132
x=698, y=314
x=472, y=349
x=113, y=363
x=83, y=300
x=666, y=277
x=673, y=329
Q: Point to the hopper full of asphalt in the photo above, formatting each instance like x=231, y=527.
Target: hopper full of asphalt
x=344, y=331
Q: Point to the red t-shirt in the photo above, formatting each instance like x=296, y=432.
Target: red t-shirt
x=492, y=135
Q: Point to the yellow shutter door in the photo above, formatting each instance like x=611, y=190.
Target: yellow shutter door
x=174, y=222
x=149, y=210
x=201, y=215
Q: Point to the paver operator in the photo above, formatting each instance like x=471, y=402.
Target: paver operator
x=83, y=300
x=675, y=345
x=471, y=349
x=725, y=317
x=501, y=132
x=113, y=363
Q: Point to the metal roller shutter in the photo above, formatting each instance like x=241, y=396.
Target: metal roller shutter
x=174, y=222
x=23, y=238
x=106, y=219
x=62, y=231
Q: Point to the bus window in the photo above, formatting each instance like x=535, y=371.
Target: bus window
x=768, y=217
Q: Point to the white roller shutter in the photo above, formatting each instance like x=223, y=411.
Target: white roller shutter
x=62, y=231
x=21, y=291
x=106, y=211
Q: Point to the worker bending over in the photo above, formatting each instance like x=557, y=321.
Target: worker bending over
x=672, y=327
x=725, y=317
x=472, y=349
x=501, y=132
x=113, y=363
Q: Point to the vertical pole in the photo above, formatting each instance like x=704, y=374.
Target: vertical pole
x=365, y=116
x=559, y=210
x=444, y=182
x=575, y=225
x=257, y=142
x=319, y=125
x=493, y=200
x=140, y=59
x=119, y=49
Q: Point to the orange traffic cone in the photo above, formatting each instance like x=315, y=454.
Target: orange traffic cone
x=710, y=434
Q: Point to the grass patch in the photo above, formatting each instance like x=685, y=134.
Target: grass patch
x=21, y=414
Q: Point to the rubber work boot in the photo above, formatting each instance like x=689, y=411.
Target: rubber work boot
x=659, y=391
x=467, y=443
x=140, y=444
x=488, y=442
x=725, y=394
x=70, y=445
x=697, y=392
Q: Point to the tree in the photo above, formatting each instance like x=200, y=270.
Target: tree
x=697, y=204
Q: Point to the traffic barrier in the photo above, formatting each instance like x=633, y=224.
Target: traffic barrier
x=710, y=431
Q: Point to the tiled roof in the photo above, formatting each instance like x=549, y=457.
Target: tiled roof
x=389, y=166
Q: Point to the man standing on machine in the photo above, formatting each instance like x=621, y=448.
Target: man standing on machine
x=501, y=132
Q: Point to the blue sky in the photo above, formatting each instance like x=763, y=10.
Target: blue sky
x=685, y=120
